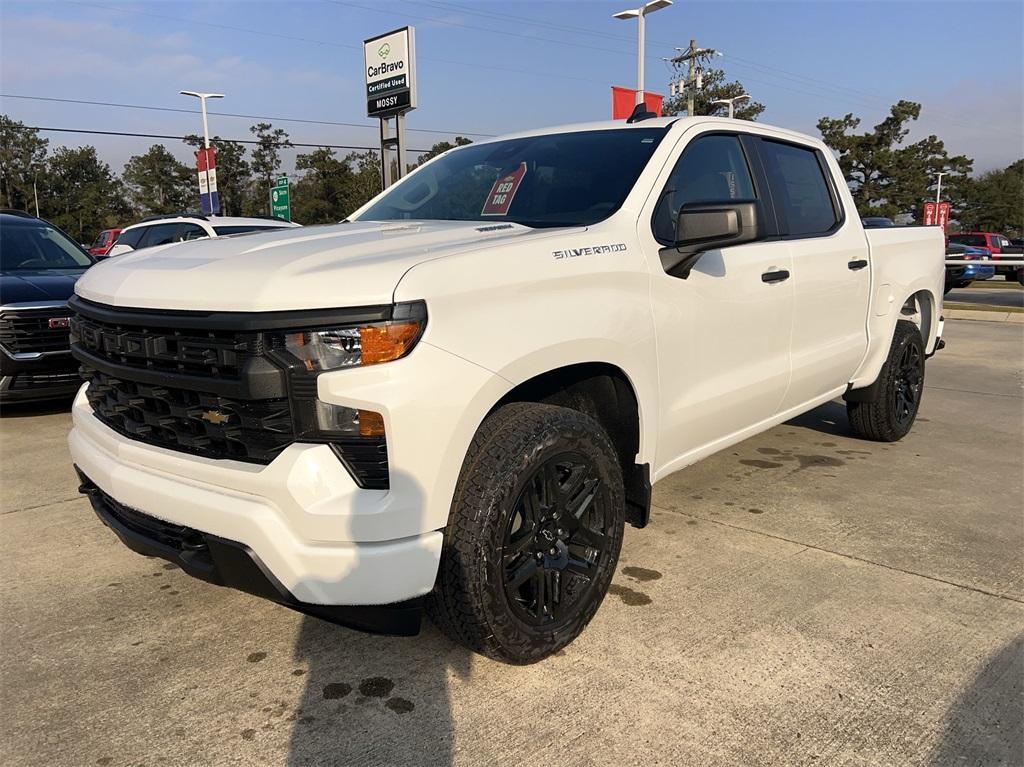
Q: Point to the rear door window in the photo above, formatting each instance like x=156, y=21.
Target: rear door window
x=190, y=232
x=159, y=234
x=132, y=237
x=799, y=188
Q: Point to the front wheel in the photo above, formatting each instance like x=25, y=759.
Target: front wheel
x=891, y=414
x=534, y=533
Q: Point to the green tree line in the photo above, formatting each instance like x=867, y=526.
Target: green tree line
x=82, y=195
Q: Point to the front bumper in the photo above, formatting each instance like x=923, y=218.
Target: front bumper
x=31, y=378
x=302, y=517
x=228, y=563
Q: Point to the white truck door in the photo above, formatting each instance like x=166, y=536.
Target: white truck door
x=723, y=331
x=831, y=272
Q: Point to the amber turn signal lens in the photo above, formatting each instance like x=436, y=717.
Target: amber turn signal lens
x=371, y=424
x=384, y=343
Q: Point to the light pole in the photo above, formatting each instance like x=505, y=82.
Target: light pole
x=639, y=14
x=938, y=189
x=202, y=105
x=731, y=102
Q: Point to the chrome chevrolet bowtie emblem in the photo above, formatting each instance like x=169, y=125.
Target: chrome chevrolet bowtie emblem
x=215, y=416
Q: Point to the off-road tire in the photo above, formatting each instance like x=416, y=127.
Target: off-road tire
x=889, y=417
x=508, y=454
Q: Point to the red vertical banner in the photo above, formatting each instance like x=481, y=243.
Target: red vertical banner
x=931, y=214
x=943, y=215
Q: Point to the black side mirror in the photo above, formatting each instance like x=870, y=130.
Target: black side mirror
x=704, y=226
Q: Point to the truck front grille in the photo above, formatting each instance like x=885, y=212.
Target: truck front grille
x=217, y=354
x=27, y=331
x=166, y=379
x=196, y=422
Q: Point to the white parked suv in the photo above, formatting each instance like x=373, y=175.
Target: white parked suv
x=163, y=230
x=459, y=397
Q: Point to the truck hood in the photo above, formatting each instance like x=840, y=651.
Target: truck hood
x=43, y=285
x=315, y=267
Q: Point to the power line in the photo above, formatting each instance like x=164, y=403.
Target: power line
x=810, y=85
x=182, y=138
x=333, y=44
x=228, y=114
x=507, y=33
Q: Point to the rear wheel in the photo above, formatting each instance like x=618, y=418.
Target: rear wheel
x=891, y=414
x=534, y=534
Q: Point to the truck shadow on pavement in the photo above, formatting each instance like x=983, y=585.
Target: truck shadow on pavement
x=984, y=726
x=374, y=700
x=829, y=419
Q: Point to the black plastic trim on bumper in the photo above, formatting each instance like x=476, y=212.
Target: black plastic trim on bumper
x=227, y=563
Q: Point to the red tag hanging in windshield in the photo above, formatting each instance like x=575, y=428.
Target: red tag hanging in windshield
x=499, y=199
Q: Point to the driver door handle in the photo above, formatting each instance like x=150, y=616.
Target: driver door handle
x=860, y=263
x=776, y=276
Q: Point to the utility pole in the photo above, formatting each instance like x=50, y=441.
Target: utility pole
x=694, y=77
x=731, y=102
x=938, y=189
x=639, y=14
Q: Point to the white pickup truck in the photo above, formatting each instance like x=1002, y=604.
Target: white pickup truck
x=457, y=398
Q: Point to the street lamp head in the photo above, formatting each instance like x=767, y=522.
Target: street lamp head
x=651, y=7
x=202, y=95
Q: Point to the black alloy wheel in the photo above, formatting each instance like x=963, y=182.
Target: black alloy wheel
x=534, y=534
x=908, y=383
x=554, y=541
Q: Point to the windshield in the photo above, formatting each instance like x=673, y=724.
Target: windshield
x=565, y=179
x=30, y=245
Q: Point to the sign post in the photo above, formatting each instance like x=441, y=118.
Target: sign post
x=389, y=62
x=280, y=202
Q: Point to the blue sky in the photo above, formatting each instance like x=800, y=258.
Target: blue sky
x=493, y=67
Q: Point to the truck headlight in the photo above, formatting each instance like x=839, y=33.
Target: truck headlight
x=346, y=347
x=358, y=437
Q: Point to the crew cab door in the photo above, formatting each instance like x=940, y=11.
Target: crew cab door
x=723, y=330
x=831, y=271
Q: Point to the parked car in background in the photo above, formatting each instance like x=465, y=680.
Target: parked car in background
x=162, y=230
x=995, y=243
x=962, y=275
x=104, y=242
x=39, y=265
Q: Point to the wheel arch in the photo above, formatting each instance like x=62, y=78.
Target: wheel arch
x=919, y=306
x=606, y=393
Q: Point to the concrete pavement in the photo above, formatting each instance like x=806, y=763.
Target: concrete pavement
x=804, y=598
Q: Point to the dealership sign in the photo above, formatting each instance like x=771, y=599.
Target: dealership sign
x=389, y=68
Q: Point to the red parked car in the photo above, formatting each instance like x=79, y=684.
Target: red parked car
x=104, y=242
x=996, y=244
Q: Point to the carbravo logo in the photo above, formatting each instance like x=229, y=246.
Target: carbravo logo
x=384, y=50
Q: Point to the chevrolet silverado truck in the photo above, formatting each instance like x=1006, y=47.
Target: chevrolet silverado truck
x=458, y=398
